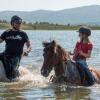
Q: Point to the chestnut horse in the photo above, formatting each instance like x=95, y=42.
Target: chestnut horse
x=65, y=70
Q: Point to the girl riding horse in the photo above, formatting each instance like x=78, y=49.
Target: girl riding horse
x=55, y=58
x=83, y=51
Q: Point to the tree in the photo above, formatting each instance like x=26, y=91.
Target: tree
x=24, y=22
x=4, y=21
x=68, y=25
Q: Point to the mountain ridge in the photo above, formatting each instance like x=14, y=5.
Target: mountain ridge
x=79, y=15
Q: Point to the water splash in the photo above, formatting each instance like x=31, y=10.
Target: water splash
x=33, y=78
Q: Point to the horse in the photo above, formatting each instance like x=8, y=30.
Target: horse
x=23, y=71
x=66, y=71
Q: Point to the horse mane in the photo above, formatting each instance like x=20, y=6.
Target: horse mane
x=63, y=54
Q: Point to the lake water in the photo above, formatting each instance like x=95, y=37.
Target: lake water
x=38, y=88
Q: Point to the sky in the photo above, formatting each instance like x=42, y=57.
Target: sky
x=31, y=5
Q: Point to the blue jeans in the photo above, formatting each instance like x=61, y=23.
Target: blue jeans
x=83, y=63
x=11, y=65
x=86, y=72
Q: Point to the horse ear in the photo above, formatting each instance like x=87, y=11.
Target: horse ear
x=54, y=46
x=54, y=42
x=45, y=44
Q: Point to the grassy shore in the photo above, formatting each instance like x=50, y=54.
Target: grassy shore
x=47, y=26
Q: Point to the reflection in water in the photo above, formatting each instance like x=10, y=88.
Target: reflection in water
x=12, y=91
x=73, y=94
x=18, y=91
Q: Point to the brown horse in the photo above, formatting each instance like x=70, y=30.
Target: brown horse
x=65, y=70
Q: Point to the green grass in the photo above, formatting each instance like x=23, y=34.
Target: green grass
x=46, y=26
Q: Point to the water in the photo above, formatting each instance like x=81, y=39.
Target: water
x=38, y=88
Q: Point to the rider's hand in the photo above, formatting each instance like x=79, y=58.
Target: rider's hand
x=70, y=53
x=81, y=52
x=25, y=53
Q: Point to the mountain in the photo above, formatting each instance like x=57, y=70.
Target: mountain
x=79, y=15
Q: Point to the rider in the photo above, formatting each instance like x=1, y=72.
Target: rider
x=83, y=51
x=15, y=40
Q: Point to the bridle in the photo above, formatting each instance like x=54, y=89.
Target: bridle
x=56, y=59
x=64, y=63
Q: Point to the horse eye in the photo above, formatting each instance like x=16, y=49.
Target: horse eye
x=43, y=54
x=44, y=50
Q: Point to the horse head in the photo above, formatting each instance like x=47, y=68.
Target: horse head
x=53, y=56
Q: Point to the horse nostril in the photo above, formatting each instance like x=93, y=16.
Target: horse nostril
x=44, y=73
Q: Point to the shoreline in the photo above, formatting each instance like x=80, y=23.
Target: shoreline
x=47, y=26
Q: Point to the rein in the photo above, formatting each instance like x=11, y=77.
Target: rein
x=68, y=60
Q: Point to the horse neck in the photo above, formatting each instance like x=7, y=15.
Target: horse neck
x=59, y=70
